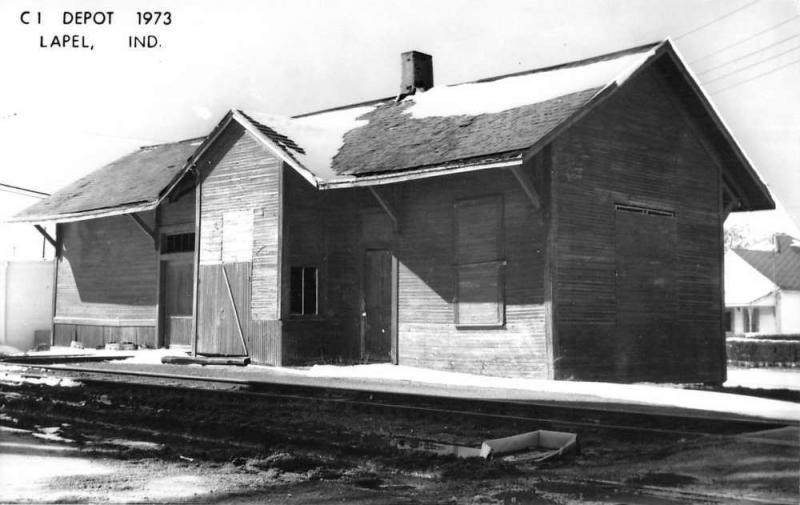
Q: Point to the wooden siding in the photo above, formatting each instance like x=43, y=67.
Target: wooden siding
x=107, y=270
x=97, y=336
x=177, y=213
x=634, y=149
x=239, y=178
x=428, y=336
x=321, y=229
x=333, y=229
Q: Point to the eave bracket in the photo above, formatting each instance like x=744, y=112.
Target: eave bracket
x=387, y=207
x=46, y=235
x=143, y=226
x=527, y=185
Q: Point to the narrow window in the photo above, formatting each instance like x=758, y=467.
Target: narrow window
x=303, y=291
x=177, y=243
x=480, y=299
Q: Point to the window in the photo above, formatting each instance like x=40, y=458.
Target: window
x=303, y=292
x=479, y=265
x=177, y=243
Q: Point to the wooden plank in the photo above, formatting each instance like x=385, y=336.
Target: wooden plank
x=385, y=205
x=196, y=264
x=233, y=306
x=527, y=186
x=56, y=261
x=46, y=235
x=143, y=226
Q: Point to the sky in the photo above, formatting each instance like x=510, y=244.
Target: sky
x=65, y=112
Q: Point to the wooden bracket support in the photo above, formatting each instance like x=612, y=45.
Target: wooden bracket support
x=143, y=226
x=527, y=186
x=387, y=207
x=46, y=235
x=233, y=306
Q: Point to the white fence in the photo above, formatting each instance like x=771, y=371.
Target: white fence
x=26, y=296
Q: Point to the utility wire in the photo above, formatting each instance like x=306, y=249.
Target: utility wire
x=740, y=69
x=31, y=192
x=758, y=76
x=734, y=60
x=751, y=37
x=716, y=20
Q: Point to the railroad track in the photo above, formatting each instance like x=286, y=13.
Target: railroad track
x=547, y=414
x=227, y=393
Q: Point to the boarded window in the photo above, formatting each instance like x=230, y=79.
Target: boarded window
x=479, y=226
x=480, y=297
x=303, y=292
x=237, y=236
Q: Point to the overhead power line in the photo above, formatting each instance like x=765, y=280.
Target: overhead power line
x=760, y=62
x=758, y=76
x=26, y=191
x=716, y=20
x=742, y=41
x=734, y=60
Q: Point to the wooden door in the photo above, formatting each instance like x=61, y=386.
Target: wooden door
x=177, y=298
x=378, y=337
x=645, y=291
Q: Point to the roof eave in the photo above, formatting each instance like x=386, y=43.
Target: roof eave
x=760, y=198
x=85, y=215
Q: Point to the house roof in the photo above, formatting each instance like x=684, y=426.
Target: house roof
x=781, y=265
x=487, y=123
x=463, y=124
x=134, y=183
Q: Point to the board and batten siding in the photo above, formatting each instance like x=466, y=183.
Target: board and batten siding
x=107, y=282
x=636, y=149
x=240, y=201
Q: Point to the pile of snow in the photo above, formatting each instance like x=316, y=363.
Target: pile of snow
x=603, y=392
x=152, y=356
x=7, y=350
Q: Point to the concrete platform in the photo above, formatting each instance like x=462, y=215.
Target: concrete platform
x=635, y=398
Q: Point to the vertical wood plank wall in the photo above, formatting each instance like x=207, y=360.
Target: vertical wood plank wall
x=634, y=148
x=329, y=229
x=239, y=175
x=106, y=288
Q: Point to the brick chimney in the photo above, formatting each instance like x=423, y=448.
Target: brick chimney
x=417, y=72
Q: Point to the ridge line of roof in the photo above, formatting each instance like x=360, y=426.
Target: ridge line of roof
x=182, y=141
x=568, y=64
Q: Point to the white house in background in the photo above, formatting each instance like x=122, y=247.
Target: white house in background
x=762, y=287
x=26, y=275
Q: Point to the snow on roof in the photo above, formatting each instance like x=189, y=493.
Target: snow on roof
x=313, y=140
x=497, y=95
x=464, y=123
x=743, y=283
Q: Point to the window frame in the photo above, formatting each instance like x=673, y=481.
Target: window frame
x=165, y=239
x=303, y=269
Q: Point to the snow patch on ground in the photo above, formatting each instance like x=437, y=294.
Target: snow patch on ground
x=763, y=378
x=321, y=136
x=152, y=356
x=641, y=394
x=15, y=379
x=512, y=92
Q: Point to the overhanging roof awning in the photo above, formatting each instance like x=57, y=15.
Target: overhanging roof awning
x=137, y=182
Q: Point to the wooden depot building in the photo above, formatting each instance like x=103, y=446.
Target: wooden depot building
x=561, y=223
